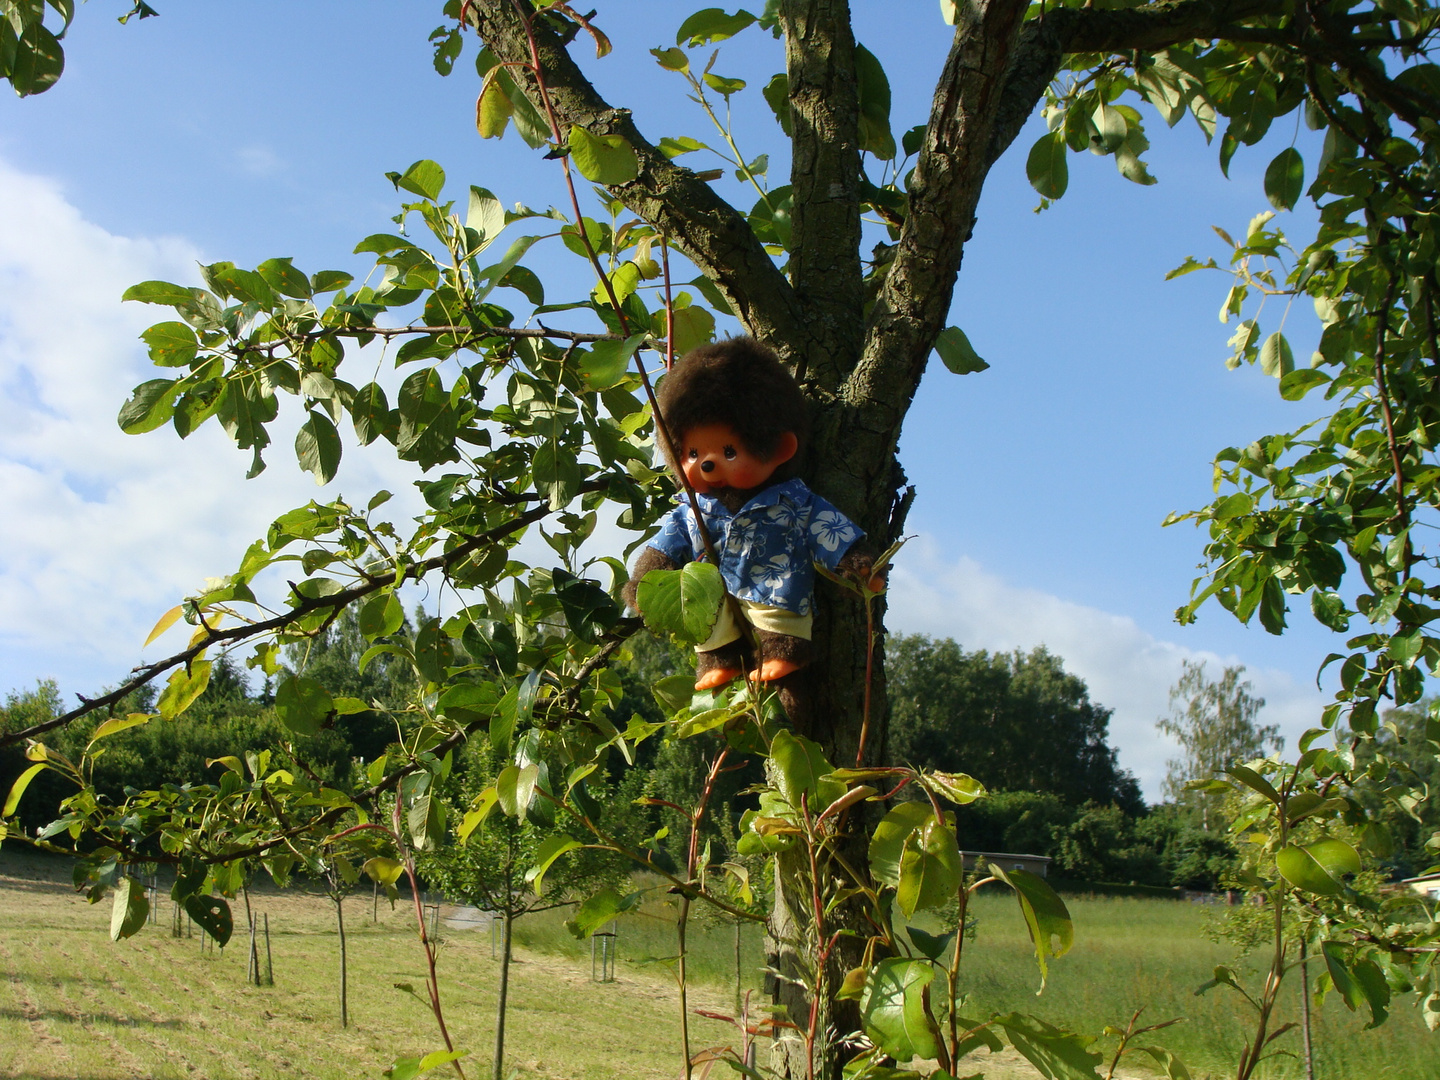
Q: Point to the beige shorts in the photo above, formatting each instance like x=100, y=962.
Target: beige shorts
x=762, y=617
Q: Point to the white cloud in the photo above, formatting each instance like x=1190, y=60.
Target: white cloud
x=1126, y=668
x=101, y=531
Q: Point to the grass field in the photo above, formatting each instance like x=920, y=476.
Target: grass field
x=75, y=1005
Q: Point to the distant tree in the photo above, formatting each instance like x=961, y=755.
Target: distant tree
x=1410, y=740
x=1015, y=721
x=23, y=709
x=333, y=659
x=1213, y=720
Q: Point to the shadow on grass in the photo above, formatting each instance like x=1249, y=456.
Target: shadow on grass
x=59, y=1017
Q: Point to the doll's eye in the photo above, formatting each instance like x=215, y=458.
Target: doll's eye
x=694, y=454
x=729, y=453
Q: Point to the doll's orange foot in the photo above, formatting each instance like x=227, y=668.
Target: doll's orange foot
x=716, y=677
x=771, y=670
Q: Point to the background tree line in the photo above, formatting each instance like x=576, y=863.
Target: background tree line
x=1017, y=721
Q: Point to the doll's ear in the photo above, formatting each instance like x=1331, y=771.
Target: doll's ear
x=785, y=448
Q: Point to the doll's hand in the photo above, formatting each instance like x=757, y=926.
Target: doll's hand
x=859, y=568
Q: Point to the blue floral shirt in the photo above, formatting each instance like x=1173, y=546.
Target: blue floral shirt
x=768, y=549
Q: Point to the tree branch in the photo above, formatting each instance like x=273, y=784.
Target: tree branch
x=1046, y=41
x=333, y=602
x=711, y=232
x=825, y=178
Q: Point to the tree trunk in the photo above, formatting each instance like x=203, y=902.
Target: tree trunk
x=344, y=987
x=497, y=1070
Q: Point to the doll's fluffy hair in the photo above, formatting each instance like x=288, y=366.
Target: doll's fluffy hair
x=739, y=382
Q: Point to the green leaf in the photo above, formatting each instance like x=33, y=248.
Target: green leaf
x=1111, y=128
x=131, y=908
x=150, y=405
x=383, y=870
x=1276, y=358
x=801, y=767
x=317, y=445
x=887, y=842
x=117, y=724
x=674, y=692
x=493, y=108
x=694, y=326
x=711, y=24
x=549, y=851
x=607, y=361
x=1174, y=1068
x=172, y=344
x=604, y=159
x=873, y=91
x=514, y=709
x=17, y=789
x=159, y=292
x=1285, y=179
x=212, y=914
x=777, y=96
x=723, y=85
x=957, y=353
x=1046, y=917
x=671, y=60
x=486, y=215
x=370, y=412
x=957, y=787
x=39, y=59
x=424, y=178
x=930, y=945
x=1320, y=866
x=1359, y=981
x=515, y=787
x=930, y=869
x=323, y=281
x=600, y=909
x=682, y=602
x=244, y=285
x=183, y=687
x=302, y=704
x=1253, y=780
x=1296, y=384
x=589, y=610
x=381, y=616
x=281, y=275
x=433, y=651
x=557, y=474
x=1047, y=168
x=894, y=1010
x=1058, y=1054
x=410, y=1068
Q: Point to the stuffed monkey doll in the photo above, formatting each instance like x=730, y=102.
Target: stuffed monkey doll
x=738, y=422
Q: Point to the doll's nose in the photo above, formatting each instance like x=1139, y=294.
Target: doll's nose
x=707, y=466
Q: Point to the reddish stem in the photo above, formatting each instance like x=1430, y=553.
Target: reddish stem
x=432, y=983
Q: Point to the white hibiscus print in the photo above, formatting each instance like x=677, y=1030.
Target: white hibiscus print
x=830, y=529
x=743, y=534
x=781, y=516
x=772, y=573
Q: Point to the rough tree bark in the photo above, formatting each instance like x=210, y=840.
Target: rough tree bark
x=860, y=374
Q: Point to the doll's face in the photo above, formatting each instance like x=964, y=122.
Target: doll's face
x=714, y=457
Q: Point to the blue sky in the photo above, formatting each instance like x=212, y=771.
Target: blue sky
x=248, y=131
